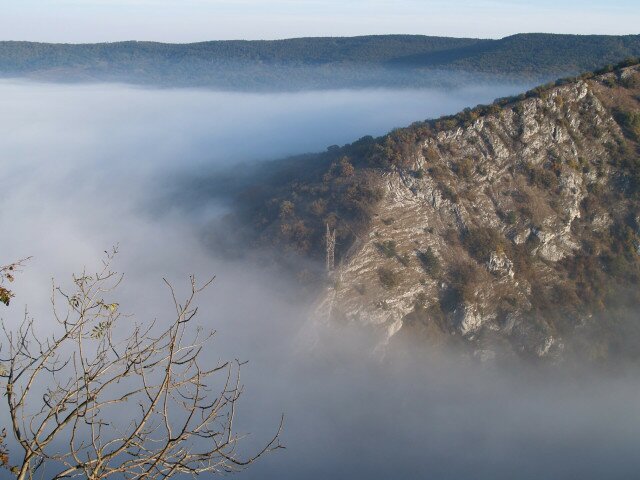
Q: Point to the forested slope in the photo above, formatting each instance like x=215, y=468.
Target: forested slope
x=303, y=63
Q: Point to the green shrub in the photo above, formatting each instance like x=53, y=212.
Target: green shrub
x=481, y=242
x=404, y=259
x=630, y=122
x=511, y=217
x=541, y=177
x=431, y=154
x=463, y=278
x=388, y=278
x=448, y=193
x=420, y=301
x=464, y=168
x=429, y=261
x=631, y=81
x=388, y=248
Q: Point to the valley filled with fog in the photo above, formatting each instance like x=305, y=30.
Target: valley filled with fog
x=86, y=167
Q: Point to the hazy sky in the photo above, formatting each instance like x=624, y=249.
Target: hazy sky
x=196, y=20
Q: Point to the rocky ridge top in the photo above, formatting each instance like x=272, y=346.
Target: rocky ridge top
x=510, y=228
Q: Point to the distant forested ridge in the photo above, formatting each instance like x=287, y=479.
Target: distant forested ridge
x=368, y=61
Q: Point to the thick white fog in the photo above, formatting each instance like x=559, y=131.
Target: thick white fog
x=81, y=168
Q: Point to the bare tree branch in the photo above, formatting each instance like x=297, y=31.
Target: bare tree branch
x=66, y=393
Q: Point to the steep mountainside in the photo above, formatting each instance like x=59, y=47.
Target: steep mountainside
x=513, y=227
x=303, y=63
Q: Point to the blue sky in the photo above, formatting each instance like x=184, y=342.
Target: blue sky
x=196, y=20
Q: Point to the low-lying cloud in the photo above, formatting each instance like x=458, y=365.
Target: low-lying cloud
x=82, y=167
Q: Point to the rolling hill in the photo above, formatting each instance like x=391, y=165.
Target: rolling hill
x=306, y=63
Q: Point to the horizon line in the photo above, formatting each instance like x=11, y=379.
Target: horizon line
x=328, y=37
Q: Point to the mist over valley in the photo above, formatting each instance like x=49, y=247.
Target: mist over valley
x=236, y=184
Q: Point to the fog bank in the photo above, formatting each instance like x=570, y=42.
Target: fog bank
x=82, y=167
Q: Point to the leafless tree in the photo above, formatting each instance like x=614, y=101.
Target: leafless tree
x=6, y=275
x=102, y=397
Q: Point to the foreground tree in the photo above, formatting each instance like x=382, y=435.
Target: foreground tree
x=6, y=275
x=101, y=397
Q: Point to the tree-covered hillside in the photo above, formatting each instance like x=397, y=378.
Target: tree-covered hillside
x=391, y=60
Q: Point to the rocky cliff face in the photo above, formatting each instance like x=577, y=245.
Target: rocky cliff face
x=515, y=230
